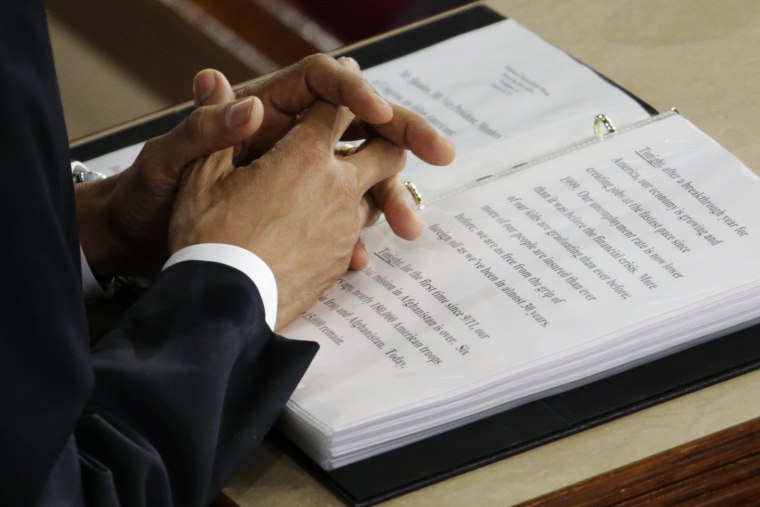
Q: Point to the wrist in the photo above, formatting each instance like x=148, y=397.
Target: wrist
x=101, y=248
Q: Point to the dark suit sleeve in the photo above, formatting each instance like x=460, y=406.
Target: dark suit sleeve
x=164, y=407
x=186, y=385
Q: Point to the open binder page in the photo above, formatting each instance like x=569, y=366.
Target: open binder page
x=498, y=86
x=576, y=266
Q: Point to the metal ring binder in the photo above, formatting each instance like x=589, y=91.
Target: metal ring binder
x=602, y=121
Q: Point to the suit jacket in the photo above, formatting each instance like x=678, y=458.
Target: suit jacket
x=166, y=405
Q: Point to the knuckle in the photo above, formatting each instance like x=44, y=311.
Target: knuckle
x=350, y=188
x=345, y=189
x=314, y=154
x=399, y=154
x=401, y=159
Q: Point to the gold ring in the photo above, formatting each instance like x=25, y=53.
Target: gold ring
x=415, y=194
x=345, y=150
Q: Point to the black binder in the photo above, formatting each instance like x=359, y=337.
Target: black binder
x=516, y=430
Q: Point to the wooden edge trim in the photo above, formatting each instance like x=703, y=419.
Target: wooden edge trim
x=721, y=465
x=131, y=123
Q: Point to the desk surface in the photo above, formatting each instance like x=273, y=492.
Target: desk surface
x=697, y=55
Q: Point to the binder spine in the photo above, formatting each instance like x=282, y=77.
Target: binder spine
x=603, y=129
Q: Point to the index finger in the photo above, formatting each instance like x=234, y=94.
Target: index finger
x=410, y=131
x=316, y=77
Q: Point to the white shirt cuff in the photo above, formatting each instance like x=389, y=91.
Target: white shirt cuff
x=240, y=259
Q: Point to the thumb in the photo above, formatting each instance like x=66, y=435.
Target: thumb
x=208, y=129
x=211, y=87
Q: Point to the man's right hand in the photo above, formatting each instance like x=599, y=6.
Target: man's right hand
x=286, y=94
x=299, y=207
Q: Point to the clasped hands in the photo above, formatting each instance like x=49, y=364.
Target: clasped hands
x=257, y=169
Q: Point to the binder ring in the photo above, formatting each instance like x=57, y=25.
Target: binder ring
x=602, y=121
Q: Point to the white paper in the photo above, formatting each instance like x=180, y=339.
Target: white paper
x=501, y=94
x=568, y=268
x=115, y=161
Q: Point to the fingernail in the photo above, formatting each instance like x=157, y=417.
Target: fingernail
x=450, y=145
x=204, y=85
x=377, y=94
x=350, y=62
x=239, y=112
